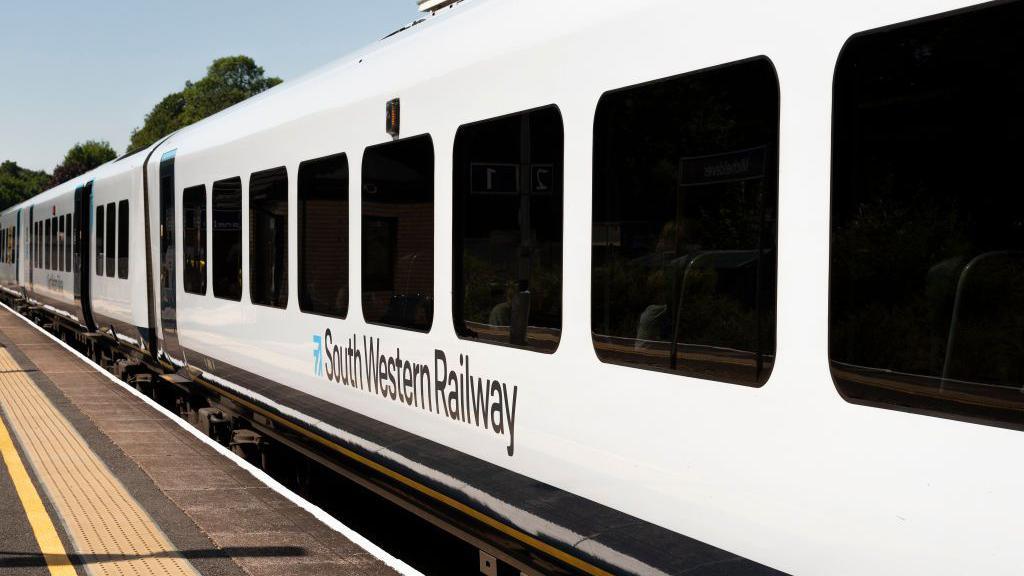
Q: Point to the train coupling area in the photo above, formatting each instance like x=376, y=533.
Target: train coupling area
x=95, y=481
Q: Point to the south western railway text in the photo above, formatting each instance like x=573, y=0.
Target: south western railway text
x=446, y=390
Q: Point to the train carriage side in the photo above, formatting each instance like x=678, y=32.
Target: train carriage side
x=10, y=261
x=48, y=222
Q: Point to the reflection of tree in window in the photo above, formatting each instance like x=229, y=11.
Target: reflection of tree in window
x=685, y=198
x=508, y=230
x=927, y=254
x=398, y=233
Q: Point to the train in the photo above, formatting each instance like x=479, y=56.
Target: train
x=648, y=287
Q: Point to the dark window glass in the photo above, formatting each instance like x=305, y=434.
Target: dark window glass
x=54, y=254
x=398, y=233
x=227, y=239
x=323, y=236
x=60, y=243
x=69, y=242
x=508, y=230
x=194, y=241
x=268, y=238
x=48, y=260
x=927, y=242
x=111, y=238
x=684, y=224
x=122, y=239
x=99, y=241
x=39, y=244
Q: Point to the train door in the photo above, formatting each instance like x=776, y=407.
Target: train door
x=168, y=284
x=31, y=246
x=81, y=247
x=18, y=260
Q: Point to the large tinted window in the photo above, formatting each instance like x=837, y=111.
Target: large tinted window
x=111, y=239
x=323, y=236
x=684, y=224
x=508, y=230
x=99, y=240
x=227, y=239
x=268, y=238
x=122, y=239
x=927, y=240
x=194, y=239
x=398, y=233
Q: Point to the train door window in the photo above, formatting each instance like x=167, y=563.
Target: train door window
x=227, y=239
x=194, y=241
x=99, y=240
x=4, y=244
x=60, y=243
x=54, y=246
x=323, y=236
x=508, y=230
x=684, y=236
x=69, y=238
x=398, y=233
x=926, y=290
x=122, y=239
x=39, y=244
x=47, y=258
x=111, y=239
x=268, y=238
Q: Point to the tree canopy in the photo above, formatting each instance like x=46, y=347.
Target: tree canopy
x=81, y=158
x=17, y=183
x=228, y=81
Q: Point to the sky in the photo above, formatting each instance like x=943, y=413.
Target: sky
x=74, y=70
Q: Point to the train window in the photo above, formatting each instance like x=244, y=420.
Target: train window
x=39, y=244
x=508, y=230
x=54, y=245
x=60, y=243
x=268, y=238
x=684, y=224
x=99, y=241
x=398, y=233
x=70, y=242
x=927, y=226
x=47, y=259
x=323, y=236
x=111, y=239
x=122, y=239
x=227, y=238
x=194, y=241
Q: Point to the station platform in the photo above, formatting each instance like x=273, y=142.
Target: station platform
x=95, y=481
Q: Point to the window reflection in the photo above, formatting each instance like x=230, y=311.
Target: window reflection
x=684, y=224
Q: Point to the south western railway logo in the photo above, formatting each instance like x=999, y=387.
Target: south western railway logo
x=442, y=388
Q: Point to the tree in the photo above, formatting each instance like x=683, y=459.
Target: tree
x=162, y=120
x=228, y=81
x=17, y=183
x=81, y=158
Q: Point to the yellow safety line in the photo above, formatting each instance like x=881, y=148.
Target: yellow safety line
x=527, y=539
x=106, y=526
x=42, y=526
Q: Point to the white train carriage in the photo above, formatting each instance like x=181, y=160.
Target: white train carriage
x=586, y=290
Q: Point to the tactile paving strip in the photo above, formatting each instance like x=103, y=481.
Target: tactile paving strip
x=110, y=533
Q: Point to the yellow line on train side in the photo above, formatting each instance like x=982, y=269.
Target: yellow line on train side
x=38, y=518
x=494, y=523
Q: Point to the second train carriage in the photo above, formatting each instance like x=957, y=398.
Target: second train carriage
x=528, y=298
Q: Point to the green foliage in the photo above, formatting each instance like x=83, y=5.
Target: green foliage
x=18, y=184
x=228, y=81
x=81, y=158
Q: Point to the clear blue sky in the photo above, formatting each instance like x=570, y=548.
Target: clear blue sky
x=76, y=70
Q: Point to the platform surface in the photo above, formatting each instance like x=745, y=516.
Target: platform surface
x=95, y=481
